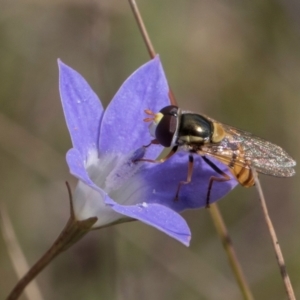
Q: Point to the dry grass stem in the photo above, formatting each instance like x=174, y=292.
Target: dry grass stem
x=215, y=213
x=279, y=256
x=228, y=246
x=16, y=255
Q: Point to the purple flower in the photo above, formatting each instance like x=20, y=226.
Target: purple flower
x=105, y=143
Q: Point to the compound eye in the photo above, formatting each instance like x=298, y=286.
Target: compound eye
x=166, y=128
x=169, y=110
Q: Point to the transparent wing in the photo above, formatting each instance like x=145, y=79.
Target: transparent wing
x=225, y=155
x=267, y=158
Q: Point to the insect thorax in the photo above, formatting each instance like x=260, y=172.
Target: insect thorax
x=194, y=129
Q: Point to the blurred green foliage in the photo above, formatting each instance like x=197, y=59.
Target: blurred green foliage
x=237, y=61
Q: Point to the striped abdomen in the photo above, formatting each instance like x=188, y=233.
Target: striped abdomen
x=241, y=169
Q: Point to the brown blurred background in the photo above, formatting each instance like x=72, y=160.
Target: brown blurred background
x=237, y=61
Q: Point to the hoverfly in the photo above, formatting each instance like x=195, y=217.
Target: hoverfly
x=201, y=135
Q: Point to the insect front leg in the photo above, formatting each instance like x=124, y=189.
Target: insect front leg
x=171, y=153
x=153, y=142
x=189, y=175
x=214, y=178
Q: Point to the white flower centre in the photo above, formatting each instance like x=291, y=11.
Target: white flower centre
x=115, y=174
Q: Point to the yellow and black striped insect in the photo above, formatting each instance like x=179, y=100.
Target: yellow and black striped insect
x=201, y=135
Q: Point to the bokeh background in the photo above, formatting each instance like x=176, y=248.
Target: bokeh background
x=237, y=61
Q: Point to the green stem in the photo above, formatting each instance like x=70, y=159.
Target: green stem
x=73, y=231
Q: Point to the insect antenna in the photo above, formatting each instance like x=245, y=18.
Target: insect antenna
x=149, y=113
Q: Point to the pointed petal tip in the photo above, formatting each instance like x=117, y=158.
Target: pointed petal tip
x=61, y=64
x=156, y=60
x=183, y=237
x=187, y=240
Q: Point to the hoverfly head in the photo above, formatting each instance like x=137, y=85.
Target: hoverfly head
x=164, y=125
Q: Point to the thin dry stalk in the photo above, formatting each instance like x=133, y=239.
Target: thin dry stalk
x=147, y=40
x=215, y=213
x=279, y=255
x=142, y=28
x=228, y=246
x=16, y=255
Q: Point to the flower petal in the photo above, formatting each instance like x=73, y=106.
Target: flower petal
x=163, y=180
x=77, y=167
x=123, y=129
x=89, y=199
x=158, y=216
x=82, y=108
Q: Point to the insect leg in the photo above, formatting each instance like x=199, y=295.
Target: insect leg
x=171, y=153
x=189, y=175
x=214, y=178
x=153, y=142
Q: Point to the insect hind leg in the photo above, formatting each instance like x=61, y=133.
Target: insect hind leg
x=214, y=178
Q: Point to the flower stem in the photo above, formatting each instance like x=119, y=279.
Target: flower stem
x=279, y=255
x=228, y=246
x=73, y=231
